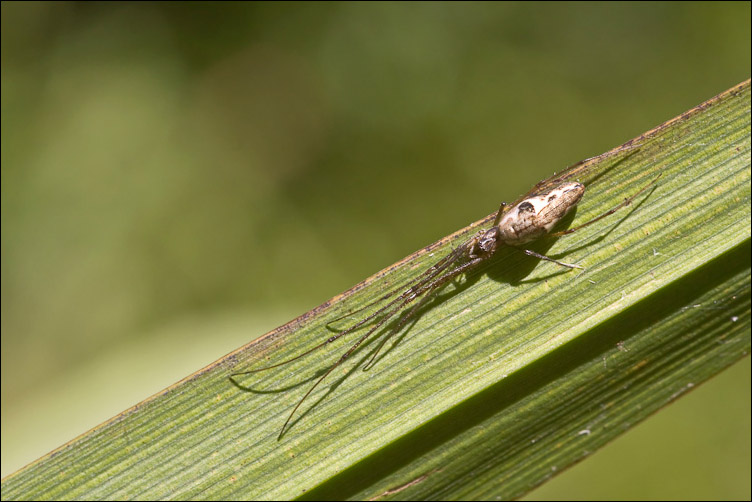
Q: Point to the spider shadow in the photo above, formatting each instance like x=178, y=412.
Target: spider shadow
x=380, y=349
x=509, y=265
x=523, y=265
x=248, y=388
x=633, y=207
x=386, y=330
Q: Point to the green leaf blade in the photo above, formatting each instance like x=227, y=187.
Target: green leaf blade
x=506, y=379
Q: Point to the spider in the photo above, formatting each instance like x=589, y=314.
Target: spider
x=530, y=218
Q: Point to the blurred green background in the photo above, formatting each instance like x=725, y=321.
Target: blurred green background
x=178, y=179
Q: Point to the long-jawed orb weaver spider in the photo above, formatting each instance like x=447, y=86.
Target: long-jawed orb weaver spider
x=530, y=218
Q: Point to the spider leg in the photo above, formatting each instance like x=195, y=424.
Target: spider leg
x=426, y=287
x=429, y=273
x=403, y=320
x=430, y=288
x=424, y=278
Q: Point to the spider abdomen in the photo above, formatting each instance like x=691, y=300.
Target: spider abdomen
x=535, y=216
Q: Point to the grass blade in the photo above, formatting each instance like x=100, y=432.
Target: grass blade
x=519, y=369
